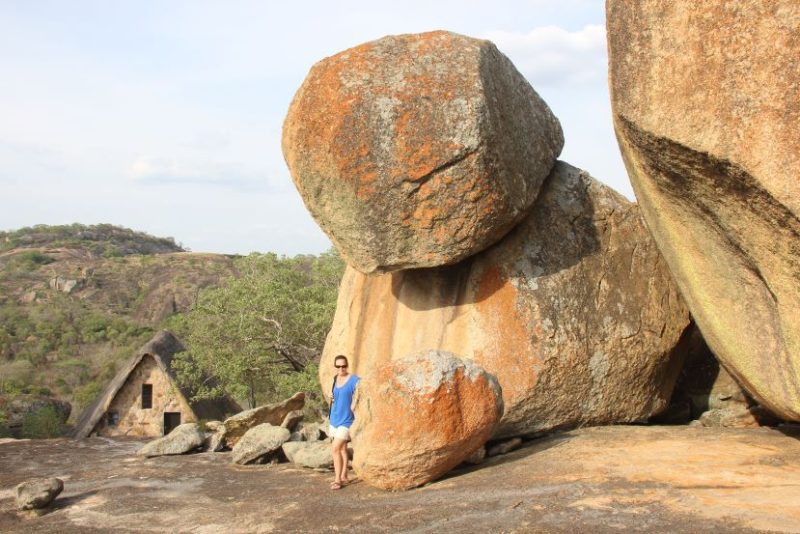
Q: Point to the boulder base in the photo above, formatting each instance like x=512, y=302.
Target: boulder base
x=574, y=312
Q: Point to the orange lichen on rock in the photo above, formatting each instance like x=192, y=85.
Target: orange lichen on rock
x=372, y=126
x=420, y=416
x=573, y=311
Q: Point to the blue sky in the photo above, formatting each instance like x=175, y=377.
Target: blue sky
x=166, y=116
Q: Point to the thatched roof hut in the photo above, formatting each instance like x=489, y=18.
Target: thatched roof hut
x=145, y=400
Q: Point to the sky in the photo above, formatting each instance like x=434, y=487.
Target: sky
x=165, y=116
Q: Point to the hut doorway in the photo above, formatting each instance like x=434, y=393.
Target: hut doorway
x=171, y=420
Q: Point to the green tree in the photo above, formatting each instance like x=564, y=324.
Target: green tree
x=247, y=337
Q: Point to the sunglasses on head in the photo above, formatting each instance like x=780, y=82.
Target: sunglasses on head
x=341, y=366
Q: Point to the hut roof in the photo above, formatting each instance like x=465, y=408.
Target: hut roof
x=162, y=348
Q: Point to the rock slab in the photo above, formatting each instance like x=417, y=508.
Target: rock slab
x=574, y=312
x=38, y=493
x=706, y=103
x=420, y=416
x=259, y=441
x=418, y=150
x=237, y=425
x=184, y=438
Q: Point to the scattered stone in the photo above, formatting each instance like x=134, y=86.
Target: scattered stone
x=184, y=438
x=236, y=426
x=314, y=455
x=418, y=417
x=706, y=111
x=215, y=440
x=504, y=447
x=292, y=419
x=574, y=312
x=418, y=150
x=258, y=442
x=38, y=493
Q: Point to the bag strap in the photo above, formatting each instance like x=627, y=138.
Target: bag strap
x=330, y=408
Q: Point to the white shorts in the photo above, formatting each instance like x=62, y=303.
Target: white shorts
x=339, y=432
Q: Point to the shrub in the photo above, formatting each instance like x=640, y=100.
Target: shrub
x=86, y=394
x=42, y=424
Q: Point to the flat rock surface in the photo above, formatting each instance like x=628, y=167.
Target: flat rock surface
x=606, y=479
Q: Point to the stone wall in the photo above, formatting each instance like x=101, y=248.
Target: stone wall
x=135, y=421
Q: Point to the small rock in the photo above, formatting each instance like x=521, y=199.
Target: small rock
x=38, y=492
x=184, y=438
x=259, y=441
x=504, y=447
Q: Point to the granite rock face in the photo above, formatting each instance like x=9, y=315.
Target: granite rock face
x=706, y=106
x=418, y=150
x=184, y=438
x=420, y=416
x=574, y=312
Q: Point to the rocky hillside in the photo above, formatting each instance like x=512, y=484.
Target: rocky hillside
x=75, y=300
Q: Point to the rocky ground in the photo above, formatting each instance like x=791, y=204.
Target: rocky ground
x=623, y=478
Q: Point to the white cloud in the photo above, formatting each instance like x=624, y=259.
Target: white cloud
x=551, y=55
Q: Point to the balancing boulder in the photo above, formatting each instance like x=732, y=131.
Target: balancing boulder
x=418, y=150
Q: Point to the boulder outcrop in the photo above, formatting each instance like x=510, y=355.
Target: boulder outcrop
x=418, y=150
x=706, y=107
x=574, y=312
x=237, y=425
x=420, y=416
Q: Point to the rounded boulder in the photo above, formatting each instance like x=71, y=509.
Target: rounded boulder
x=420, y=416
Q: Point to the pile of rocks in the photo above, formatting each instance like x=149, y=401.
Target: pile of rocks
x=265, y=434
x=431, y=163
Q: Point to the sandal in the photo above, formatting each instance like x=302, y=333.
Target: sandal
x=336, y=485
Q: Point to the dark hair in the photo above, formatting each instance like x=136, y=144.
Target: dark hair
x=341, y=357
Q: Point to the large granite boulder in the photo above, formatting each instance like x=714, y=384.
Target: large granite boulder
x=37, y=493
x=706, y=102
x=259, y=441
x=574, y=312
x=183, y=438
x=418, y=150
x=237, y=425
x=420, y=416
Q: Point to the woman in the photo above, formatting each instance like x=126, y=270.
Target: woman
x=341, y=419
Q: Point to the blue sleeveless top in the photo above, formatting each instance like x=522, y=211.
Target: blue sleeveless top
x=341, y=413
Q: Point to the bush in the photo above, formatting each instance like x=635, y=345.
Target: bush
x=86, y=394
x=42, y=424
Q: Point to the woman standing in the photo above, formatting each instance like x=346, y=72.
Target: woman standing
x=341, y=419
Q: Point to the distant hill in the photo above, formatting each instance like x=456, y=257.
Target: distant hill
x=99, y=239
x=75, y=300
